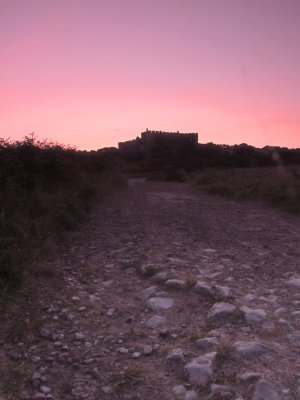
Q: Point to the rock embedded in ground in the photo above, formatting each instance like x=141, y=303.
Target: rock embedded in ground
x=220, y=312
x=265, y=391
x=250, y=349
x=175, y=283
x=160, y=303
x=148, y=270
x=294, y=282
x=79, y=336
x=147, y=293
x=204, y=289
x=220, y=392
x=159, y=277
x=175, y=355
x=253, y=316
x=136, y=354
x=207, y=343
x=191, y=395
x=156, y=321
x=223, y=291
x=249, y=376
x=200, y=369
x=179, y=391
x=148, y=349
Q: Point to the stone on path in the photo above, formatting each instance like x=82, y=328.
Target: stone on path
x=220, y=312
x=200, y=369
x=191, y=395
x=175, y=283
x=148, y=349
x=204, y=289
x=265, y=391
x=160, y=303
x=156, y=321
x=179, y=391
x=250, y=349
x=223, y=291
x=207, y=343
x=147, y=293
x=220, y=392
x=160, y=277
x=175, y=355
x=294, y=282
x=253, y=316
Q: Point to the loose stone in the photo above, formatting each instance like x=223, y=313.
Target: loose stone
x=207, y=343
x=148, y=350
x=175, y=283
x=249, y=349
x=123, y=350
x=156, y=321
x=253, y=316
x=191, y=395
x=220, y=312
x=160, y=303
x=200, y=369
x=179, y=391
x=294, y=282
x=175, y=355
x=220, y=392
x=147, y=293
x=265, y=390
x=136, y=354
x=223, y=291
x=204, y=289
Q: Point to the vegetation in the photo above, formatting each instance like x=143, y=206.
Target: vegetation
x=277, y=186
x=45, y=190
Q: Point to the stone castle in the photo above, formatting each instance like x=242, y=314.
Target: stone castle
x=153, y=141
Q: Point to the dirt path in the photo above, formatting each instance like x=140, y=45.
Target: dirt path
x=213, y=269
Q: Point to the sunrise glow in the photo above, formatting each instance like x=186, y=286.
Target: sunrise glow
x=92, y=73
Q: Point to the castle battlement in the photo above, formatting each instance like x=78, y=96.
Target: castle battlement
x=151, y=141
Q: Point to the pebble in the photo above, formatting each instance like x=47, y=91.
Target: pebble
x=123, y=350
x=147, y=293
x=249, y=349
x=207, y=343
x=294, y=282
x=220, y=312
x=200, y=369
x=204, y=289
x=220, y=392
x=265, y=390
x=223, y=291
x=175, y=355
x=45, y=389
x=253, y=316
x=79, y=336
x=148, y=350
x=175, y=283
x=156, y=321
x=160, y=303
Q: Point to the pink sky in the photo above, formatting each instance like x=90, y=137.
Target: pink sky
x=94, y=72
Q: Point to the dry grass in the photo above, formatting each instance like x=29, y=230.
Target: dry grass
x=276, y=186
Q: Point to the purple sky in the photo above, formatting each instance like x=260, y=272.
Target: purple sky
x=94, y=72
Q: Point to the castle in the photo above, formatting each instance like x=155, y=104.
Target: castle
x=152, y=142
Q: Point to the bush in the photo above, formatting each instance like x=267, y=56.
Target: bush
x=45, y=190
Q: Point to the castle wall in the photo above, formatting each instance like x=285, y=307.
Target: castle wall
x=152, y=142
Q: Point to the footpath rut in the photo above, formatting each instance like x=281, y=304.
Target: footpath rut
x=168, y=293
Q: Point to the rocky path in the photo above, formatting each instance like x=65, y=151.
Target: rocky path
x=168, y=293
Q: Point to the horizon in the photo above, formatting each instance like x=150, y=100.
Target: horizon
x=92, y=74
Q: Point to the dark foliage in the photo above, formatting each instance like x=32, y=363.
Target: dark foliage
x=45, y=190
